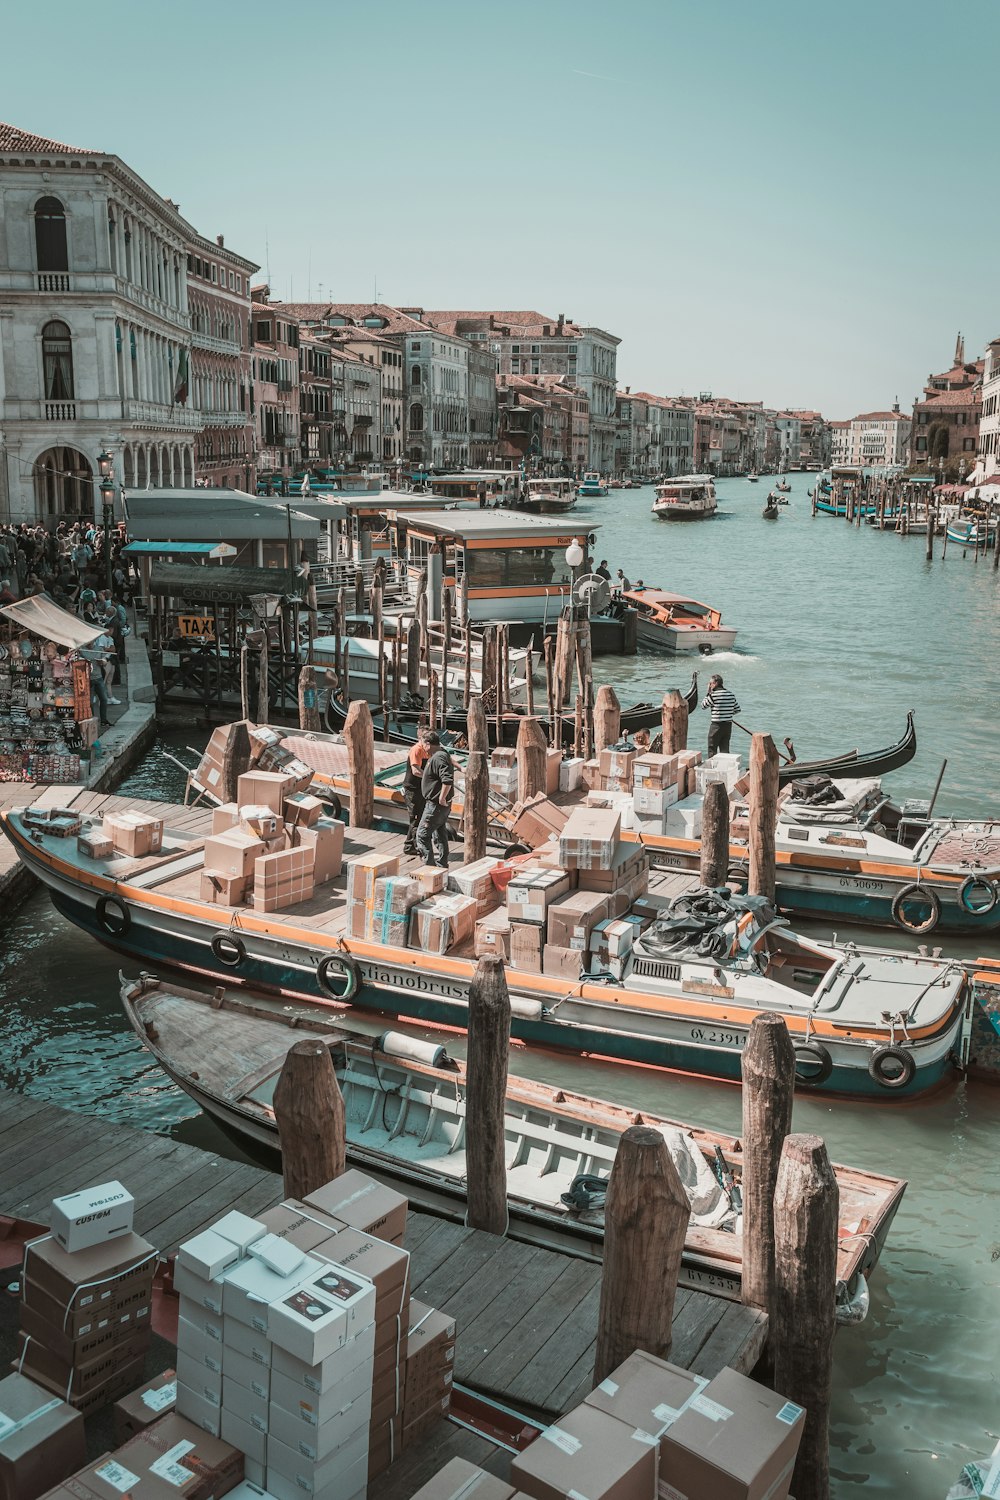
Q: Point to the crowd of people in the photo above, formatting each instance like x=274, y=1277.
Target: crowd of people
x=69, y=566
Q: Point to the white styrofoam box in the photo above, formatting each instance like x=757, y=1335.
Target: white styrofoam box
x=246, y=1371
x=209, y=1323
x=319, y=1441
x=322, y=1313
x=208, y=1295
x=650, y=801
x=277, y=1254
x=250, y=1342
x=683, y=820
x=252, y=1286
x=195, y=1408
x=327, y=1373
x=91, y=1217
x=208, y=1255
x=315, y=1408
x=199, y=1378
x=705, y=775
x=247, y=1404
x=249, y=1440
x=504, y=779
x=571, y=774
x=649, y=823
x=200, y=1347
x=240, y=1228
x=290, y=1473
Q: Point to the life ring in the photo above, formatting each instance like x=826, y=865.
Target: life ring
x=113, y=915
x=338, y=975
x=902, y=1067
x=971, y=885
x=926, y=894
x=229, y=949
x=817, y=1059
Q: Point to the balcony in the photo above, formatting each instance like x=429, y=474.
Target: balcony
x=231, y=347
x=156, y=414
x=60, y=411
x=53, y=281
x=284, y=385
x=362, y=421
x=227, y=419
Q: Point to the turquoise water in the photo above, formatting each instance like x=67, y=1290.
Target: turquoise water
x=841, y=631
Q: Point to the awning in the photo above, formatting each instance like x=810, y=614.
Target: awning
x=42, y=617
x=169, y=549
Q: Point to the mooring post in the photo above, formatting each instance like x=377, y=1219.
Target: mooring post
x=359, y=592
x=674, y=721
x=486, y=1097
x=646, y=1217
x=413, y=658
x=359, y=736
x=244, y=680
x=607, y=718
x=530, y=758
x=804, y=1312
x=768, y=1068
x=714, y=834
x=549, y=650
x=309, y=1110
x=475, y=806
x=308, y=702
x=763, y=802
x=477, y=728
x=376, y=603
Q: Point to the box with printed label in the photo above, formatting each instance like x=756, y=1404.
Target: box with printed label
x=265, y=789
x=321, y=1314
x=326, y=839
x=251, y=1442
x=239, y=1228
x=302, y=810
x=103, y=1329
x=208, y=1255
x=527, y=939
x=359, y=1202
x=80, y=1220
x=193, y=1315
x=80, y=1283
x=250, y=1342
x=362, y=874
x=384, y=1445
x=536, y=819
x=247, y=1371
x=290, y=1473
x=430, y=1345
x=388, y=919
x=301, y=1226
x=195, y=1288
x=317, y=1441
x=531, y=893
x=573, y=918
x=683, y=819
x=225, y=816
x=73, y=1379
x=735, y=1440
x=442, y=922
x=492, y=936
x=108, y=1479
x=653, y=801
x=140, y=1409
x=627, y=863
x=233, y=852
x=251, y=1287
x=196, y=1465
x=247, y=1403
x=105, y=1392
x=571, y=774
x=650, y=770
x=200, y=1378
x=647, y=1392
x=197, y=1409
x=589, y=839
x=41, y=1439
x=476, y=880
x=329, y=1372
x=385, y=1265
x=315, y=1408
x=588, y=1453
x=563, y=963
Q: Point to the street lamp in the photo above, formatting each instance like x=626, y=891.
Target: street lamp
x=105, y=466
x=574, y=557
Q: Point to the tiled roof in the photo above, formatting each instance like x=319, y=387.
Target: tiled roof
x=520, y=322
x=881, y=416
x=13, y=139
x=961, y=396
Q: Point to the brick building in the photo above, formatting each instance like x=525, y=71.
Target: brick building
x=945, y=428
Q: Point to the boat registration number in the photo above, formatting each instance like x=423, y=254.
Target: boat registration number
x=855, y=883
x=717, y=1038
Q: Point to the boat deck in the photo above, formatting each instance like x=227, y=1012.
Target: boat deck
x=526, y=1316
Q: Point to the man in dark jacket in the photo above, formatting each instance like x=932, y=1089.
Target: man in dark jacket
x=438, y=786
x=417, y=758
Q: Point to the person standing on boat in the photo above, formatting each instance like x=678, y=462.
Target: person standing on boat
x=724, y=710
x=416, y=759
x=438, y=786
x=604, y=571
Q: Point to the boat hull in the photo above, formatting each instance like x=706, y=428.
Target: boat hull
x=694, y=642
x=683, y=512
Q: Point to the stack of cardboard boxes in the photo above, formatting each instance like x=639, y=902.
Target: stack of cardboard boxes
x=169, y=1457
x=293, y=1335
x=429, y=1370
x=42, y=1440
x=132, y=833
x=86, y=1299
x=272, y=846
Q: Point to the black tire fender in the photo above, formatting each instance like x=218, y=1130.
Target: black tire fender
x=113, y=915
x=926, y=894
x=816, y=1057
x=334, y=967
x=229, y=949
x=969, y=887
x=898, y=1058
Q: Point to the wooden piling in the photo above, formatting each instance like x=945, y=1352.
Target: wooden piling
x=375, y=600
x=476, y=805
x=478, y=732
x=413, y=658
x=359, y=592
x=803, y=1314
x=674, y=721
x=467, y=695
x=244, y=680
x=584, y=650
x=645, y=1221
x=359, y=736
x=309, y=1110
x=588, y=720
x=308, y=700
x=565, y=654
x=529, y=681
x=768, y=1068
x=996, y=544
x=397, y=668
x=341, y=629
x=763, y=800
x=549, y=648
x=446, y=616
x=607, y=718
x=485, y=1098
x=714, y=834
x=578, y=725
x=530, y=758
x=263, y=683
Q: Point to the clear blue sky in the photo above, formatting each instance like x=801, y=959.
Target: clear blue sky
x=786, y=201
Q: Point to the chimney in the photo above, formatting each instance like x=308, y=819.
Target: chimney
x=560, y=322
x=220, y=241
x=628, y=390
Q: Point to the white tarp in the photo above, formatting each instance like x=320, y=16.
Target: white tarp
x=42, y=617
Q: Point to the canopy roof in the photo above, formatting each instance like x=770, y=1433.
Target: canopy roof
x=169, y=549
x=229, y=585
x=43, y=617
x=201, y=515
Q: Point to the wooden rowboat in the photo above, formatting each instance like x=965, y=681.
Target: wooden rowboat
x=405, y=1125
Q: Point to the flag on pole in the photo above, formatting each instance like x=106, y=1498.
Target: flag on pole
x=181, y=387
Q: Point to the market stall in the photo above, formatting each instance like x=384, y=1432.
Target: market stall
x=47, y=729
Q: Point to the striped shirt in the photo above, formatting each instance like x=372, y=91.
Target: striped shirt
x=723, y=705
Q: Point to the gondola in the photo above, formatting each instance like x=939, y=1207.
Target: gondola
x=855, y=763
x=404, y=721
x=770, y=511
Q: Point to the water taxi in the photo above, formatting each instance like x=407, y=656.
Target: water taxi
x=489, y=486
x=689, y=497
x=591, y=486
x=972, y=531
x=679, y=623
x=367, y=680
x=548, y=495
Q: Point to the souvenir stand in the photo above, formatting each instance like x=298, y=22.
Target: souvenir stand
x=47, y=730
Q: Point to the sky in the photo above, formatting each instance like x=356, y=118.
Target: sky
x=783, y=202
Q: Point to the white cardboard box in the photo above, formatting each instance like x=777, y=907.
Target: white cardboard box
x=195, y=1408
x=208, y=1295
x=208, y=1255
x=321, y=1442
x=255, y=1475
x=251, y=1287
x=200, y=1347
x=92, y=1216
x=327, y=1373
x=315, y=1408
x=321, y=1314
x=204, y=1382
x=248, y=1490
x=239, y=1228
x=246, y=1371
x=290, y=1474
x=281, y=1257
x=250, y=1442
x=208, y=1323
x=247, y=1405
x=249, y=1342
x=571, y=774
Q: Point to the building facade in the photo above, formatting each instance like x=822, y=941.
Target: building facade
x=276, y=385
x=988, y=447
x=221, y=364
x=840, y=442
x=879, y=439
x=945, y=428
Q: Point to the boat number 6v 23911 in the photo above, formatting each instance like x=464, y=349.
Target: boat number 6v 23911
x=717, y=1038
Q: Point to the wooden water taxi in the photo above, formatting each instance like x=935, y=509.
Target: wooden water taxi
x=863, y=1022
x=550, y=496
x=689, y=497
x=591, y=486
x=405, y=1107
x=679, y=623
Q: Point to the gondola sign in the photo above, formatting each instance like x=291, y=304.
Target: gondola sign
x=196, y=627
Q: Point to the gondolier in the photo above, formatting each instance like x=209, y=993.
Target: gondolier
x=724, y=710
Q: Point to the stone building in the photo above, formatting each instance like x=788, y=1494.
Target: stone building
x=840, y=442
x=945, y=428
x=221, y=364
x=879, y=439
x=989, y=422
x=276, y=384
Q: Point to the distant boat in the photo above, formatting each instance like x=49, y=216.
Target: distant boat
x=752, y=477
x=591, y=485
x=680, y=623
x=972, y=532
x=689, y=497
x=770, y=511
x=548, y=495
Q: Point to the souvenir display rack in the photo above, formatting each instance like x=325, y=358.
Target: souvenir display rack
x=46, y=722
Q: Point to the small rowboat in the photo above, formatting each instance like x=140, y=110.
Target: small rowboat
x=405, y=1112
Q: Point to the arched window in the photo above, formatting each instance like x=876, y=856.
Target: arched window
x=57, y=358
x=50, y=235
x=416, y=417
x=415, y=375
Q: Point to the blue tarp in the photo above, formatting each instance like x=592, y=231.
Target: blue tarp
x=169, y=549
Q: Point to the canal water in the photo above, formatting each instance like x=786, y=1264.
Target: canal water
x=840, y=633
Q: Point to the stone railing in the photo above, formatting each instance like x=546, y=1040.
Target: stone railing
x=60, y=411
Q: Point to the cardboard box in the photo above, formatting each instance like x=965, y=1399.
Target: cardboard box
x=460, y=1480
x=589, y=839
x=275, y=1252
x=194, y=1288
x=438, y=925
x=384, y=1444
x=41, y=1441
x=302, y=810
x=503, y=757
x=108, y=1479
x=648, y=1393
x=233, y=852
x=89, y=1279
x=527, y=940
x=492, y=935
x=735, y=1440
x=553, y=762
x=359, y=1202
x=317, y=1407
x=430, y=1350
x=573, y=918
x=617, y=764
x=198, y=1378
x=250, y=1441
x=326, y=839
x=224, y=817
x=588, y=1453
x=247, y=1403
x=196, y=1466
x=265, y=789
x=304, y=1227
x=571, y=773
x=76, y=1334
x=103, y=1331
x=323, y=1377
x=208, y=1255
x=322, y=1314
x=655, y=771
x=290, y=1474
x=531, y=892
x=134, y=834
x=200, y=1347
x=384, y=1264
x=249, y=1343
x=91, y=1216
x=222, y=889
x=318, y=1441
x=197, y=1409
x=95, y=844
x=388, y=917
x=476, y=880
x=362, y=874
x=239, y=1228
x=653, y=801
x=106, y=1391
x=432, y=880
x=628, y=861
x=563, y=963
x=251, y=1287
x=683, y=819
x=208, y=1323
x=262, y=822
x=139, y=1409
x=591, y=776
x=535, y=819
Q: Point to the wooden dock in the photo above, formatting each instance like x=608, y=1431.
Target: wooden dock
x=526, y=1316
